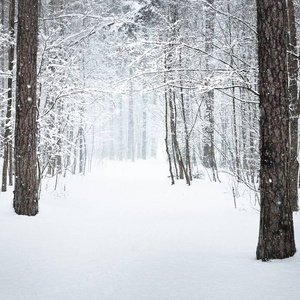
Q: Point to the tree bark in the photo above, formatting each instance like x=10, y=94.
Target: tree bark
x=294, y=105
x=26, y=182
x=276, y=234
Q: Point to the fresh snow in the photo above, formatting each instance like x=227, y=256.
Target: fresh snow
x=122, y=232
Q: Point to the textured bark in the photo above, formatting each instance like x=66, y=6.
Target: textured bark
x=294, y=105
x=276, y=234
x=26, y=182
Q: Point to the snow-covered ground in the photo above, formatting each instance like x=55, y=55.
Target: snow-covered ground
x=124, y=233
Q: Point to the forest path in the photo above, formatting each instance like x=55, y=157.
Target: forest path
x=123, y=232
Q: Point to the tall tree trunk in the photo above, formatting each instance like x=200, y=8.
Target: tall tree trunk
x=167, y=137
x=26, y=182
x=276, y=234
x=236, y=160
x=172, y=95
x=188, y=168
x=294, y=105
x=237, y=164
x=82, y=144
x=167, y=116
x=208, y=140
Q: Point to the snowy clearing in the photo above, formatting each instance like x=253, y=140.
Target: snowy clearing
x=124, y=233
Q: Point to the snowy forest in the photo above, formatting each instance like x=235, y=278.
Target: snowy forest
x=117, y=78
x=197, y=98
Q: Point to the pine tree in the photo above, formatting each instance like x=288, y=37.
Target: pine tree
x=26, y=182
x=294, y=104
x=276, y=235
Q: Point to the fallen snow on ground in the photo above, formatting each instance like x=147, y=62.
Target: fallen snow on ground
x=124, y=233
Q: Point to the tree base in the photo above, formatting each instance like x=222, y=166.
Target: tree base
x=271, y=253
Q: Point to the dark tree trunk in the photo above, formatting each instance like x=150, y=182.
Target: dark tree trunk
x=294, y=105
x=26, y=182
x=276, y=234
